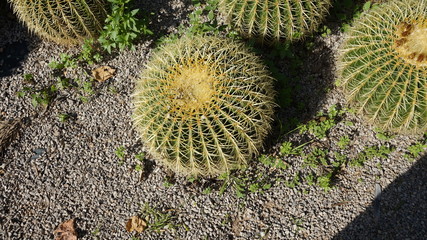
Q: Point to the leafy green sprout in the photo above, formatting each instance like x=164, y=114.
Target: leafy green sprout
x=65, y=61
x=63, y=117
x=320, y=128
x=343, y=142
x=244, y=184
x=207, y=190
x=272, y=162
x=28, y=77
x=415, y=150
x=89, y=53
x=325, y=181
x=140, y=165
x=382, y=135
x=158, y=221
x=167, y=182
x=122, y=27
x=120, y=154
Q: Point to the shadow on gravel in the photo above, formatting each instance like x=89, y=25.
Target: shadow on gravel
x=304, y=73
x=399, y=213
x=12, y=54
x=166, y=14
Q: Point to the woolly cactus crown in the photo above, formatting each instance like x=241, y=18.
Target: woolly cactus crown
x=203, y=105
x=273, y=20
x=64, y=22
x=382, y=66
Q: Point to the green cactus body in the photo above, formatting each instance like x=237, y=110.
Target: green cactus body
x=203, y=105
x=273, y=20
x=382, y=66
x=65, y=22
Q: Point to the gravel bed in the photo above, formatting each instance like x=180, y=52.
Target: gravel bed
x=54, y=171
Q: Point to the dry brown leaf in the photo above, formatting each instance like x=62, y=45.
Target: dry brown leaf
x=136, y=224
x=103, y=73
x=66, y=231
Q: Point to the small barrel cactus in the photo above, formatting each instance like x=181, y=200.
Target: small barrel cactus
x=273, y=20
x=203, y=105
x=64, y=22
x=382, y=66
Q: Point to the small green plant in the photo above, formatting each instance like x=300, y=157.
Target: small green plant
x=325, y=181
x=287, y=149
x=28, y=77
x=343, y=142
x=39, y=97
x=244, y=184
x=122, y=27
x=63, y=117
x=65, y=61
x=272, y=162
x=120, y=154
x=272, y=21
x=415, y=150
x=382, y=135
x=158, y=221
x=369, y=153
x=294, y=182
x=316, y=157
x=89, y=52
x=320, y=127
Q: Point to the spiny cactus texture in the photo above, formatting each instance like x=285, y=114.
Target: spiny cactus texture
x=62, y=21
x=382, y=66
x=203, y=105
x=273, y=20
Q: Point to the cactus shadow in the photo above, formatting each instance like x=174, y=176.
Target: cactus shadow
x=15, y=41
x=399, y=213
x=304, y=73
x=166, y=14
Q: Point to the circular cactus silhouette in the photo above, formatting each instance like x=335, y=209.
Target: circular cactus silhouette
x=273, y=20
x=203, y=105
x=382, y=66
x=64, y=22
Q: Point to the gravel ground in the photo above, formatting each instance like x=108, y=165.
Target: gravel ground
x=54, y=171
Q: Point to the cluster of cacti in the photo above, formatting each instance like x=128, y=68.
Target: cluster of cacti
x=203, y=105
x=62, y=21
x=274, y=20
x=382, y=66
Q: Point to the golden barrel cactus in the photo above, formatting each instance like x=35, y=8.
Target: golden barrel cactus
x=273, y=20
x=203, y=105
x=382, y=66
x=65, y=22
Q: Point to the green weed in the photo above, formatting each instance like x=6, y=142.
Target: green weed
x=158, y=221
x=122, y=27
x=120, y=154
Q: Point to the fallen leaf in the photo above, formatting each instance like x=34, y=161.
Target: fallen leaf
x=136, y=224
x=66, y=231
x=103, y=73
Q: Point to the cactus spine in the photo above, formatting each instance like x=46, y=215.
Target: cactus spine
x=62, y=21
x=203, y=105
x=273, y=20
x=382, y=66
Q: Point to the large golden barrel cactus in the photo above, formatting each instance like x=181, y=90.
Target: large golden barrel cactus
x=274, y=20
x=65, y=22
x=382, y=66
x=203, y=105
